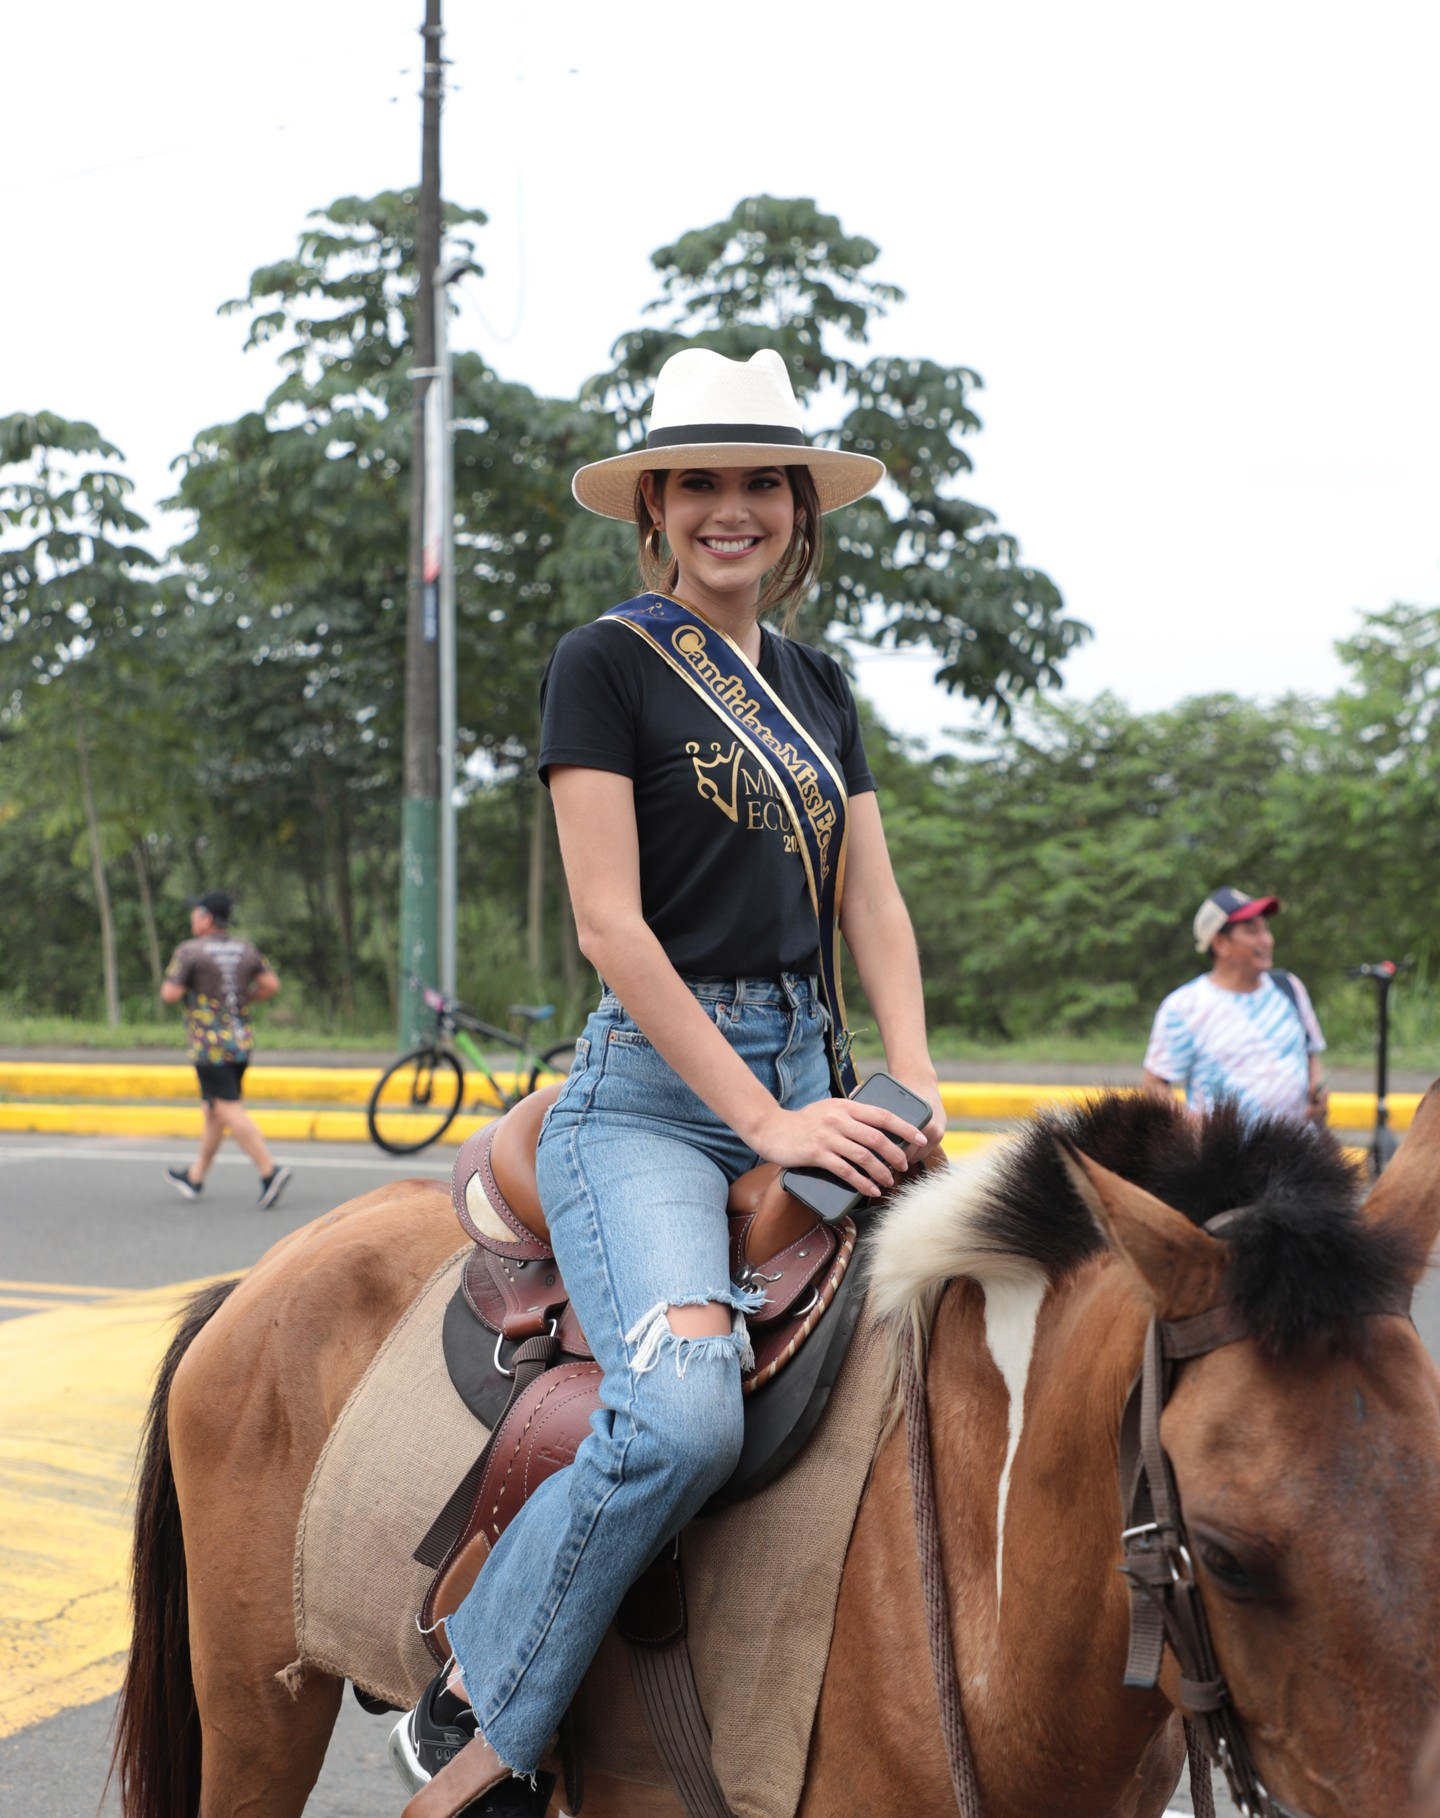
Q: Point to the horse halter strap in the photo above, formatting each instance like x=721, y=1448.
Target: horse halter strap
x=1165, y=1602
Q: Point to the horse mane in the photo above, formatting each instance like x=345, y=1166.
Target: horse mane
x=1304, y=1262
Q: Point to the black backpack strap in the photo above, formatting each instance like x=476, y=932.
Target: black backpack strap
x=1287, y=984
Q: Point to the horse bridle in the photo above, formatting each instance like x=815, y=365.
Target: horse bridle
x=1165, y=1604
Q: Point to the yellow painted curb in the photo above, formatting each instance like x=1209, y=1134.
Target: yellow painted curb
x=286, y=1088
x=282, y=1123
x=1004, y=1103
x=958, y=1143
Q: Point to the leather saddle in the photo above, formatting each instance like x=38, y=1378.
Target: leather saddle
x=519, y=1359
x=512, y=1284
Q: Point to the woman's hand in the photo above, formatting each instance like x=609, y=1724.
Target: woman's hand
x=864, y=1145
x=928, y=1086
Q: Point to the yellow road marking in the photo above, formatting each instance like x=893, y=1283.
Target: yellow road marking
x=56, y=1287
x=35, y=1303
x=76, y=1383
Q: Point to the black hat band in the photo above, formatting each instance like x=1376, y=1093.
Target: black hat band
x=694, y=434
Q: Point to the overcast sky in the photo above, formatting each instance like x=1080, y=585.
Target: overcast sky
x=1192, y=252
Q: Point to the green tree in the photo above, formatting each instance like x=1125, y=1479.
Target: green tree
x=298, y=568
x=1362, y=801
x=80, y=605
x=1052, y=874
x=913, y=563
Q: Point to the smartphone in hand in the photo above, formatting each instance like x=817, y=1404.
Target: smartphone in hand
x=826, y=1193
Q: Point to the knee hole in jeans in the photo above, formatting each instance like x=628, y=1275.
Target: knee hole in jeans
x=712, y=1319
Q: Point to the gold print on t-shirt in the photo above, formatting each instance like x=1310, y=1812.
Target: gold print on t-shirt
x=710, y=771
x=732, y=691
x=753, y=799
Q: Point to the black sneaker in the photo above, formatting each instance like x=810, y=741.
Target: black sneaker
x=273, y=1186
x=179, y=1179
x=425, y=1739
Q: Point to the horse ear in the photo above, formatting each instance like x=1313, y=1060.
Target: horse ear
x=1407, y=1195
x=1180, y=1269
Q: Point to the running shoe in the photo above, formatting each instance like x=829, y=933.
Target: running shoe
x=179, y=1179
x=424, y=1739
x=273, y=1186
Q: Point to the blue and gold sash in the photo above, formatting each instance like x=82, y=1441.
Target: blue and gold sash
x=805, y=779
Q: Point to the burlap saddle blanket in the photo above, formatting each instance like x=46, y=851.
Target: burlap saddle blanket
x=373, y=1491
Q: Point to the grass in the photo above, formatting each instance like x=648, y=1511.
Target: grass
x=169, y=1037
x=1116, y=1047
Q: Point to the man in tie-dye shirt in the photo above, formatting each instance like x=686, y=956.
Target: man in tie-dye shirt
x=1239, y=1032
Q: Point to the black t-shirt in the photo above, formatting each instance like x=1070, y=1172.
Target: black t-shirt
x=722, y=885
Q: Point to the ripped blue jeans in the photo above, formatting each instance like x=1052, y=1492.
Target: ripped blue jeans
x=634, y=1171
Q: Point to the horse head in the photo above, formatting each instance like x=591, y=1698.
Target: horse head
x=1305, y=1449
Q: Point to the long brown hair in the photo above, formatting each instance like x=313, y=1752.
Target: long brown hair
x=788, y=583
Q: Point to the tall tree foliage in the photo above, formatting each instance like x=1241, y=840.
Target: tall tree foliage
x=1361, y=805
x=80, y=698
x=913, y=563
x=1052, y=874
x=298, y=572
x=297, y=567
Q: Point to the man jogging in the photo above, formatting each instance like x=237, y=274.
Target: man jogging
x=1243, y=1031
x=218, y=976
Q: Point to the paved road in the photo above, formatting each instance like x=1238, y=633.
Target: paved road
x=80, y=1220
x=92, y=1244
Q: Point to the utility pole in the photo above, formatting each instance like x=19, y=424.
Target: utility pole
x=440, y=547
x=419, y=814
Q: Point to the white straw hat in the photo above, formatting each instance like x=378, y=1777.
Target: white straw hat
x=712, y=412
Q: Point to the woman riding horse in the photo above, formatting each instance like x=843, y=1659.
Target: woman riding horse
x=711, y=795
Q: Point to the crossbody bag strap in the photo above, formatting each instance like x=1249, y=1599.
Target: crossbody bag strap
x=805, y=779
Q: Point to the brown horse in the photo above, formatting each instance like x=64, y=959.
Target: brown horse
x=1307, y=1455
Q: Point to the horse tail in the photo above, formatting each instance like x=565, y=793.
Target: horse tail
x=156, y=1754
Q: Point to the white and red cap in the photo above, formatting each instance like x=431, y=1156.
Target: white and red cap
x=1226, y=905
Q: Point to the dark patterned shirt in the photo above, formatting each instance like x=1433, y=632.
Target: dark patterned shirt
x=217, y=971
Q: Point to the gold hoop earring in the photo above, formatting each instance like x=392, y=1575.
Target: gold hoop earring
x=652, y=543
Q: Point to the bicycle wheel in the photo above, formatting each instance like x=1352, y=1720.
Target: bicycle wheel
x=415, y=1100
x=554, y=1063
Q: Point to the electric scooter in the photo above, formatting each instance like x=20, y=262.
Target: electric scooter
x=1385, y=1141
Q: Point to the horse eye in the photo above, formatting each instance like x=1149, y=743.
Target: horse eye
x=1225, y=1568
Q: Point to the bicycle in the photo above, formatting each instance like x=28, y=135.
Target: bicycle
x=1385, y=1141
x=417, y=1097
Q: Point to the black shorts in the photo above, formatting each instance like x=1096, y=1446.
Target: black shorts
x=222, y=1081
